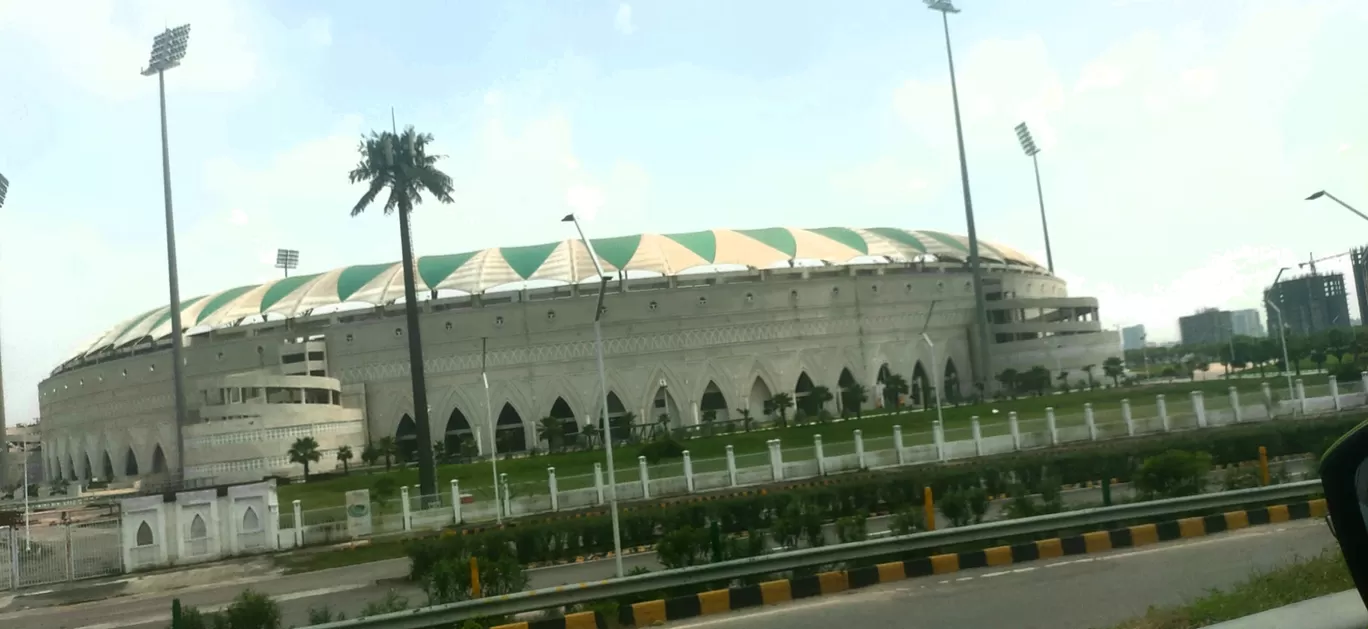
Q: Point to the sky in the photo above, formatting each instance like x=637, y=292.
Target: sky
x=1179, y=138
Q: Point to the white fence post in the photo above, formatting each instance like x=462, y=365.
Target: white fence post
x=977, y=434
x=776, y=460
x=1301, y=395
x=859, y=449
x=1267, y=392
x=506, y=495
x=1126, y=417
x=1363, y=380
x=1015, y=427
x=1334, y=392
x=598, y=482
x=299, y=521
x=819, y=454
x=898, y=443
x=1235, y=404
x=404, y=497
x=1199, y=408
x=938, y=434
x=1090, y=421
x=731, y=466
x=645, y=477
x=455, y=502
x=1050, y=425
x=551, y=485
x=1161, y=404
x=688, y=472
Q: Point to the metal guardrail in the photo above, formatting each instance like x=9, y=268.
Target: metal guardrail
x=548, y=598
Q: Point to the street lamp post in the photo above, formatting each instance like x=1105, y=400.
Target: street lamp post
x=981, y=373
x=1028, y=146
x=493, y=431
x=1282, y=335
x=605, y=425
x=168, y=48
x=4, y=454
x=935, y=371
x=1321, y=193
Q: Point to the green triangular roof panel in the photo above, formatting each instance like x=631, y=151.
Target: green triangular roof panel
x=704, y=244
x=845, y=236
x=166, y=316
x=947, y=240
x=617, y=251
x=282, y=289
x=526, y=260
x=776, y=238
x=353, y=278
x=899, y=236
x=220, y=300
x=435, y=269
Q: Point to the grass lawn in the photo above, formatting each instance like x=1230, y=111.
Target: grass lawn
x=575, y=469
x=1285, y=585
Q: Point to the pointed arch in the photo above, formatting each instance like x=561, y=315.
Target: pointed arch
x=457, y=428
x=759, y=397
x=663, y=405
x=107, y=469
x=561, y=410
x=715, y=402
x=250, y=520
x=621, y=420
x=88, y=469
x=144, y=535
x=509, y=435
x=920, y=388
x=849, y=392
x=158, y=460
x=130, y=462
x=801, y=389
x=198, y=529
x=406, y=438
x=951, y=382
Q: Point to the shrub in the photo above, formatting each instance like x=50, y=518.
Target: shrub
x=852, y=528
x=1172, y=474
x=664, y=448
x=908, y=520
x=449, y=579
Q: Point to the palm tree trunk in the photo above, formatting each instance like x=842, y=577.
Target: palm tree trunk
x=427, y=475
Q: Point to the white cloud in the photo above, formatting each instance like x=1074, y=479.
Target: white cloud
x=622, y=20
x=318, y=31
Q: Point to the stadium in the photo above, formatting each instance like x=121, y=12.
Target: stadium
x=695, y=325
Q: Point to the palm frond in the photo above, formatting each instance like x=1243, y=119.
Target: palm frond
x=401, y=164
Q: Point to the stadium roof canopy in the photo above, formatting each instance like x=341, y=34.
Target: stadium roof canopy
x=565, y=261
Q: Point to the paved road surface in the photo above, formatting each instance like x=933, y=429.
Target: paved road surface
x=1071, y=593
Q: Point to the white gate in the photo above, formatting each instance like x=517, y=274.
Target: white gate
x=58, y=553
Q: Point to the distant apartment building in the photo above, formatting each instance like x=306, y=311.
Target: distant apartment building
x=1310, y=303
x=1133, y=337
x=1205, y=326
x=1247, y=323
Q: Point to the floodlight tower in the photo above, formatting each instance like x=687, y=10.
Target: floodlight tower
x=287, y=259
x=1029, y=147
x=168, y=48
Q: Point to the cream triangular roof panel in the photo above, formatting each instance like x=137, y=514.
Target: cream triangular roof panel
x=814, y=246
x=736, y=248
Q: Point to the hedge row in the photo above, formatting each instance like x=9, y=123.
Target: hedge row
x=874, y=492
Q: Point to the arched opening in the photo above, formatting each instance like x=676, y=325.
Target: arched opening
x=508, y=434
x=921, y=392
x=158, y=460
x=130, y=463
x=250, y=520
x=71, y=466
x=457, y=430
x=714, y=403
x=144, y=535
x=619, y=418
x=887, y=395
x=665, y=413
x=107, y=470
x=852, y=394
x=88, y=469
x=951, y=383
x=801, y=391
x=198, y=530
x=406, y=438
x=759, y=394
x=559, y=428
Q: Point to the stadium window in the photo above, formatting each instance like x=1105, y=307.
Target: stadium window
x=398, y=331
x=315, y=356
x=316, y=396
x=291, y=359
x=318, y=372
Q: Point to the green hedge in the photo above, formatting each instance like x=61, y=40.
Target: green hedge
x=874, y=492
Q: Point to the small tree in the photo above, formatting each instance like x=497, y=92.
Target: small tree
x=344, y=456
x=816, y=399
x=709, y=416
x=388, y=449
x=745, y=418
x=1114, y=369
x=305, y=451
x=855, y=397
x=369, y=455
x=1009, y=379
x=895, y=386
x=779, y=403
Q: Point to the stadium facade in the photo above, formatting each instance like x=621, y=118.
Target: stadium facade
x=695, y=325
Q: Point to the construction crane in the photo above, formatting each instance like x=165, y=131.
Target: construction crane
x=1311, y=262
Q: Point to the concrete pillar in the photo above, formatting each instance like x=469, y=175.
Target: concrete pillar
x=688, y=472
x=506, y=495
x=859, y=449
x=1334, y=392
x=1235, y=403
x=1267, y=392
x=1301, y=395
x=404, y=497
x=1090, y=421
x=776, y=460
x=1126, y=417
x=731, y=467
x=1162, y=405
x=977, y=433
x=455, y=501
x=819, y=454
x=1050, y=425
x=298, y=523
x=598, y=482
x=938, y=435
x=1199, y=408
x=645, y=474
x=898, y=443
x=697, y=419
x=551, y=485
x=1015, y=427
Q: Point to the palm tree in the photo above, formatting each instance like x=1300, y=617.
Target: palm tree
x=305, y=451
x=855, y=397
x=816, y=399
x=780, y=403
x=1114, y=369
x=369, y=455
x=344, y=456
x=745, y=418
x=552, y=431
x=401, y=164
x=895, y=386
x=387, y=449
x=439, y=451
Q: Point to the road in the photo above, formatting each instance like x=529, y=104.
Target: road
x=1072, y=593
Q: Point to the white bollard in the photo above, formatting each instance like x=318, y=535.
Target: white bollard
x=404, y=497
x=1161, y=404
x=859, y=449
x=688, y=472
x=506, y=495
x=299, y=523
x=1126, y=417
x=977, y=434
x=455, y=501
x=938, y=435
x=1090, y=421
x=731, y=466
x=1334, y=392
x=1363, y=380
x=1015, y=427
x=1235, y=403
x=898, y=444
x=598, y=481
x=1267, y=392
x=1301, y=395
x=551, y=485
x=819, y=454
x=645, y=473
x=776, y=460
x=1050, y=425
x=1199, y=408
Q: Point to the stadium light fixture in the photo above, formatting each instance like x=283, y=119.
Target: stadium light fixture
x=168, y=49
x=1029, y=147
x=982, y=366
x=1316, y=195
x=605, y=425
x=287, y=259
x=4, y=190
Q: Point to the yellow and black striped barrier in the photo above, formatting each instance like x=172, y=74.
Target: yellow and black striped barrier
x=647, y=613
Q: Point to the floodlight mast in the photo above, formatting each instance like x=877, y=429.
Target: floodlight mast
x=1029, y=147
x=168, y=48
x=287, y=259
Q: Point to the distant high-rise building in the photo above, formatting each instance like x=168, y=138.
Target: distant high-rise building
x=1133, y=337
x=1310, y=303
x=1205, y=326
x=1246, y=323
x=1358, y=261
